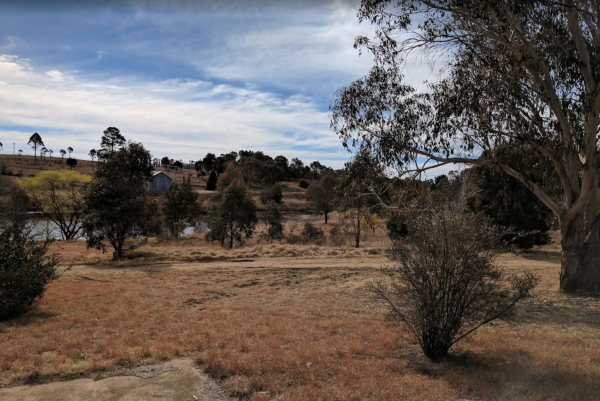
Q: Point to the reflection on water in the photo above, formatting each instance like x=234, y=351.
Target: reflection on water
x=41, y=227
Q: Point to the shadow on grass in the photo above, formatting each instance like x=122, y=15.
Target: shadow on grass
x=514, y=374
x=31, y=317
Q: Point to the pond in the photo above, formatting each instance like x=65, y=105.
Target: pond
x=41, y=226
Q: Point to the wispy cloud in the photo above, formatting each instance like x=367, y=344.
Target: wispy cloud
x=180, y=118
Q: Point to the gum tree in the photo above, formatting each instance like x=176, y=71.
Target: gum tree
x=516, y=74
x=35, y=141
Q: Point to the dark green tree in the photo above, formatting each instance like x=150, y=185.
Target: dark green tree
x=355, y=194
x=117, y=205
x=165, y=161
x=182, y=207
x=321, y=194
x=25, y=268
x=112, y=139
x=517, y=73
x=232, y=216
x=272, y=219
x=35, y=141
x=211, y=183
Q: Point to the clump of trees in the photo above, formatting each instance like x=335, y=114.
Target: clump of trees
x=445, y=284
x=232, y=215
x=25, y=268
x=60, y=196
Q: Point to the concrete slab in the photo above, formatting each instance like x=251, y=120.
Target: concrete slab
x=177, y=380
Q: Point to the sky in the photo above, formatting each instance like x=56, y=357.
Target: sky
x=182, y=77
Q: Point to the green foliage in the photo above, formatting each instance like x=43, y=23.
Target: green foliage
x=211, y=183
x=272, y=219
x=117, y=205
x=304, y=184
x=321, y=194
x=25, y=269
x=59, y=195
x=445, y=284
x=182, y=207
x=512, y=205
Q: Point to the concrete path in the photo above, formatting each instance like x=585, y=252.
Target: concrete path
x=177, y=380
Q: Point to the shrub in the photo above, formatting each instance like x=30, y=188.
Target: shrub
x=25, y=269
x=271, y=194
x=211, y=184
x=71, y=162
x=303, y=184
x=445, y=284
x=312, y=234
x=272, y=220
x=397, y=227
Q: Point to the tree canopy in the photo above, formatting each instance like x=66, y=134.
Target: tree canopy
x=112, y=139
x=520, y=74
x=116, y=204
x=59, y=195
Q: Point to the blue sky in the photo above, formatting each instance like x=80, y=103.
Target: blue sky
x=183, y=77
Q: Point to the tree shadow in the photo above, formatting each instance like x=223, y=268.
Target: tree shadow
x=32, y=317
x=510, y=374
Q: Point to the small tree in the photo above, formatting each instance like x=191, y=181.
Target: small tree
x=70, y=150
x=321, y=194
x=92, y=154
x=211, y=183
x=35, y=141
x=445, y=284
x=25, y=269
x=233, y=212
x=272, y=219
x=165, y=161
x=182, y=207
x=62, y=154
x=59, y=195
x=117, y=206
x=112, y=139
x=43, y=152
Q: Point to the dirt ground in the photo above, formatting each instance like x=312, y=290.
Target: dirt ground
x=289, y=327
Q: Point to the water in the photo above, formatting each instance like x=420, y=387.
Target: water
x=41, y=226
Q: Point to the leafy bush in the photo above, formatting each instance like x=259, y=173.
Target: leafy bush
x=445, y=284
x=71, y=162
x=303, y=184
x=271, y=194
x=312, y=234
x=211, y=184
x=25, y=269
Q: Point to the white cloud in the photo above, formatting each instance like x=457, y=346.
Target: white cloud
x=180, y=118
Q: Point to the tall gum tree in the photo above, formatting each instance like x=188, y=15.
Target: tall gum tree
x=516, y=73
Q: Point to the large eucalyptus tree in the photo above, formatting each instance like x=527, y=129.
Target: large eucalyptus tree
x=515, y=74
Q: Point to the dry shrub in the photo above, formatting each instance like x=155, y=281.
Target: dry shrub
x=445, y=284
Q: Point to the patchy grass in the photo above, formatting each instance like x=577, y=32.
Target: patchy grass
x=295, y=327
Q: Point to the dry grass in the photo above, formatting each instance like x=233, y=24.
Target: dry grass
x=295, y=328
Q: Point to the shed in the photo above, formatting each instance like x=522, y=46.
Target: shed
x=161, y=182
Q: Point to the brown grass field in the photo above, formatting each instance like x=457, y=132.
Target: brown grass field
x=276, y=321
x=289, y=322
